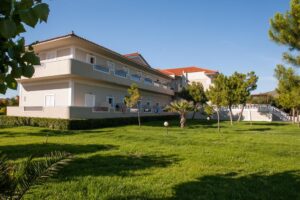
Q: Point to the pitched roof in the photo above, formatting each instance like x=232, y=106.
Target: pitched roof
x=146, y=66
x=136, y=56
x=191, y=69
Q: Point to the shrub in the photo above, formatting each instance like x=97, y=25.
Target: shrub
x=72, y=124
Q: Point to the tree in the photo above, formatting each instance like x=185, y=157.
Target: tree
x=228, y=94
x=15, y=59
x=17, y=179
x=195, y=93
x=133, y=98
x=245, y=84
x=288, y=89
x=198, y=96
x=181, y=106
x=215, y=95
x=285, y=30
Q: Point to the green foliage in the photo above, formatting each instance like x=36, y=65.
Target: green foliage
x=216, y=91
x=17, y=179
x=217, y=94
x=133, y=96
x=209, y=110
x=194, y=92
x=288, y=88
x=15, y=59
x=181, y=106
x=285, y=30
x=245, y=84
x=232, y=90
x=80, y=124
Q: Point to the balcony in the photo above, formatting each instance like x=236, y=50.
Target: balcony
x=74, y=68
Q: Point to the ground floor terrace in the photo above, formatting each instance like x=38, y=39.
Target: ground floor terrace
x=258, y=161
x=73, y=98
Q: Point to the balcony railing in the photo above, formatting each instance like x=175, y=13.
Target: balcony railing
x=72, y=67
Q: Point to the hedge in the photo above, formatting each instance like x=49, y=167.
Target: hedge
x=78, y=124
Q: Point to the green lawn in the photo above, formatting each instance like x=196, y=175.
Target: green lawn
x=261, y=161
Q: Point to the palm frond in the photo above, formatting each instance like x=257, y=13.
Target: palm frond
x=32, y=172
x=7, y=183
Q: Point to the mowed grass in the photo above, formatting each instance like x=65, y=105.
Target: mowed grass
x=261, y=161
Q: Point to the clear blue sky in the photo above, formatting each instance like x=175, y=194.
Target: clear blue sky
x=226, y=35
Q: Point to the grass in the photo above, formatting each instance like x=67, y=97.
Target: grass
x=261, y=161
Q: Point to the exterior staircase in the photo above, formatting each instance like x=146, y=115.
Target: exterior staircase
x=252, y=112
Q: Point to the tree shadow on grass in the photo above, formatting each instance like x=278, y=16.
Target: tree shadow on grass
x=51, y=132
x=270, y=123
x=38, y=150
x=285, y=185
x=115, y=165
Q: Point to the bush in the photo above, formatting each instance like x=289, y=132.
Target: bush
x=80, y=124
x=3, y=111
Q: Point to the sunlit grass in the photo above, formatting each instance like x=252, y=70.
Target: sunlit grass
x=261, y=161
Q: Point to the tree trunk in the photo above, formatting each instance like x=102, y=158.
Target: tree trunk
x=218, y=115
x=139, y=119
x=250, y=115
x=241, y=113
x=182, y=120
x=194, y=112
x=230, y=115
x=298, y=120
x=293, y=119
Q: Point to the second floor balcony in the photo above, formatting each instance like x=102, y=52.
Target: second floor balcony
x=77, y=69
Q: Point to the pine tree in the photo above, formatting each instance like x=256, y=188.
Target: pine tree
x=285, y=30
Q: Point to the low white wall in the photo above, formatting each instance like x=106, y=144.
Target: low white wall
x=47, y=112
x=248, y=115
x=72, y=113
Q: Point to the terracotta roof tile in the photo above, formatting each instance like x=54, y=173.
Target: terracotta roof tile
x=191, y=69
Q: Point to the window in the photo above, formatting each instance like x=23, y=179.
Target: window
x=49, y=100
x=136, y=77
x=64, y=52
x=91, y=59
x=51, y=55
x=101, y=68
x=121, y=72
x=148, y=81
x=42, y=56
x=89, y=100
x=110, y=101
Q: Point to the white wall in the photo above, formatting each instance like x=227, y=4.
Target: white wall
x=33, y=94
x=199, y=77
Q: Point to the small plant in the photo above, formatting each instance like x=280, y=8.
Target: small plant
x=133, y=98
x=17, y=179
x=181, y=107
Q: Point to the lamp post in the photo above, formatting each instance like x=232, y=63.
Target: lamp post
x=166, y=124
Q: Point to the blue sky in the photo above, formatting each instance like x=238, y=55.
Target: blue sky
x=227, y=36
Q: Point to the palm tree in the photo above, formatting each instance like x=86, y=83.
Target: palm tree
x=17, y=179
x=181, y=107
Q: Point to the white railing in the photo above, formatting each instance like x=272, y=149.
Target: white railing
x=264, y=108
